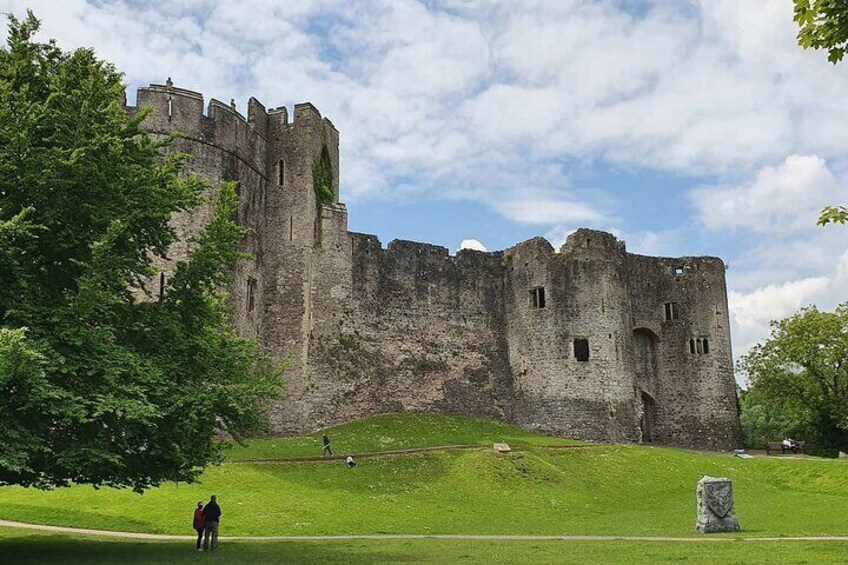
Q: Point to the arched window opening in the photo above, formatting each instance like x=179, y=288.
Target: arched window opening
x=322, y=177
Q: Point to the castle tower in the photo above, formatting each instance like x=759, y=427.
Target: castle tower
x=567, y=323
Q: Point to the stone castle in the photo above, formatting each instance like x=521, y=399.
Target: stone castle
x=589, y=341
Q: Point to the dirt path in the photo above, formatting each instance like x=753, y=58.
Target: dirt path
x=392, y=452
x=165, y=537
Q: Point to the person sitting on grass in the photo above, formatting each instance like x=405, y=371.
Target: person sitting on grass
x=199, y=524
x=327, y=448
x=211, y=518
x=350, y=462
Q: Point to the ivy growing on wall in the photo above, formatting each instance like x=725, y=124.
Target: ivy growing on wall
x=322, y=177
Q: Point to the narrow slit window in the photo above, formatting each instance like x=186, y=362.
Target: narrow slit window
x=291, y=228
x=537, y=297
x=251, y=293
x=581, y=349
x=162, y=280
x=692, y=346
x=281, y=173
x=706, y=346
x=170, y=107
x=672, y=312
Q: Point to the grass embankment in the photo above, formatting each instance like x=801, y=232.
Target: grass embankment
x=31, y=548
x=601, y=490
x=390, y=432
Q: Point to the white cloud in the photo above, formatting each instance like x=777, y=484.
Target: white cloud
x=780, y=198
x=752, y=311
x=541, y=210
x=474, y=244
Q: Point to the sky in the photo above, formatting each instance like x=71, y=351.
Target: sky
x=684, y=127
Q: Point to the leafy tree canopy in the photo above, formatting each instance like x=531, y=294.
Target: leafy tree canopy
x=823, y=24
x=95, y=386
x=799, y=380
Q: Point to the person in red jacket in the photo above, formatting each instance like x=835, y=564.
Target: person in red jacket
x=199, y=523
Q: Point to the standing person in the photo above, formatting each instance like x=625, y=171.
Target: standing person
x=211, y=517
x=199, y=524
x=327, y=448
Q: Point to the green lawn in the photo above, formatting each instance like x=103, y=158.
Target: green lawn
x=605, y=490
x=28, y=548
x=390, y=432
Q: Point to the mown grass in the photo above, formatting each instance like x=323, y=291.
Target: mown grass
x=605, y=490
x=390, y=432
x=29, y=548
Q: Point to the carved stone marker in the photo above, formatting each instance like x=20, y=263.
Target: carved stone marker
x=715, y=506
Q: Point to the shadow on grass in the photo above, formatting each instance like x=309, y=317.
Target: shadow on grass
x=37, y=549
x=67, y=515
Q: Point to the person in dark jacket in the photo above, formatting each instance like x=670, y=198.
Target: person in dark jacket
x=327, y=448
x=199, y=524
x=211, y=518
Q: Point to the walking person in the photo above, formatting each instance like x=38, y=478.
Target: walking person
x=211, y=518
x=327, y=448
x=199, y=524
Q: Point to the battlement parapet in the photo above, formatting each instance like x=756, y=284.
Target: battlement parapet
x=585, y=241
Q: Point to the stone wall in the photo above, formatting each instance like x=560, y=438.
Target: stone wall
x=411, y=328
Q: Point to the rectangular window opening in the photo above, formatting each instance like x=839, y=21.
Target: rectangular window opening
x=251, y=293
x=162, y=281
x=537, y=297
x=692, y=346
x=281, y=173
x=706, y=346
x=581, y=349
x=672, y=312
x=291, y=228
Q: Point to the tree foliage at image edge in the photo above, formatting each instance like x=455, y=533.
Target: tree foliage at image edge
x=96, y=386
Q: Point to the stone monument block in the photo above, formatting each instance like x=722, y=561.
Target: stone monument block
x=715, y=506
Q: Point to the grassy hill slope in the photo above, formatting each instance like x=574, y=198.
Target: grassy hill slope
x=610, y=490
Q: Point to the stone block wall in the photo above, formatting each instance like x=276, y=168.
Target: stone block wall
x=578, y=342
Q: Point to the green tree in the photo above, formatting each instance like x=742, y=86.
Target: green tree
x=823, y=24
x=799, y=379
x=95, y=386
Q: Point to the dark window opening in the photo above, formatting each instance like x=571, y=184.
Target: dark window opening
x=692, y=346
x=162, y=281
x=291, y=228
x=281, y=173
x=537, y=297
x=706, y=346
x=251, y=293
x=581, y=349
x=672, y=312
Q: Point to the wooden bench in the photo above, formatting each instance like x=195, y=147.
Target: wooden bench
x=778, y=445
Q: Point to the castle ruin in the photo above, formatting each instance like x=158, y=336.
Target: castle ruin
x=588, y=342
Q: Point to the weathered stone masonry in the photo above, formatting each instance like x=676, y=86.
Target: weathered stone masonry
x=410, y=328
